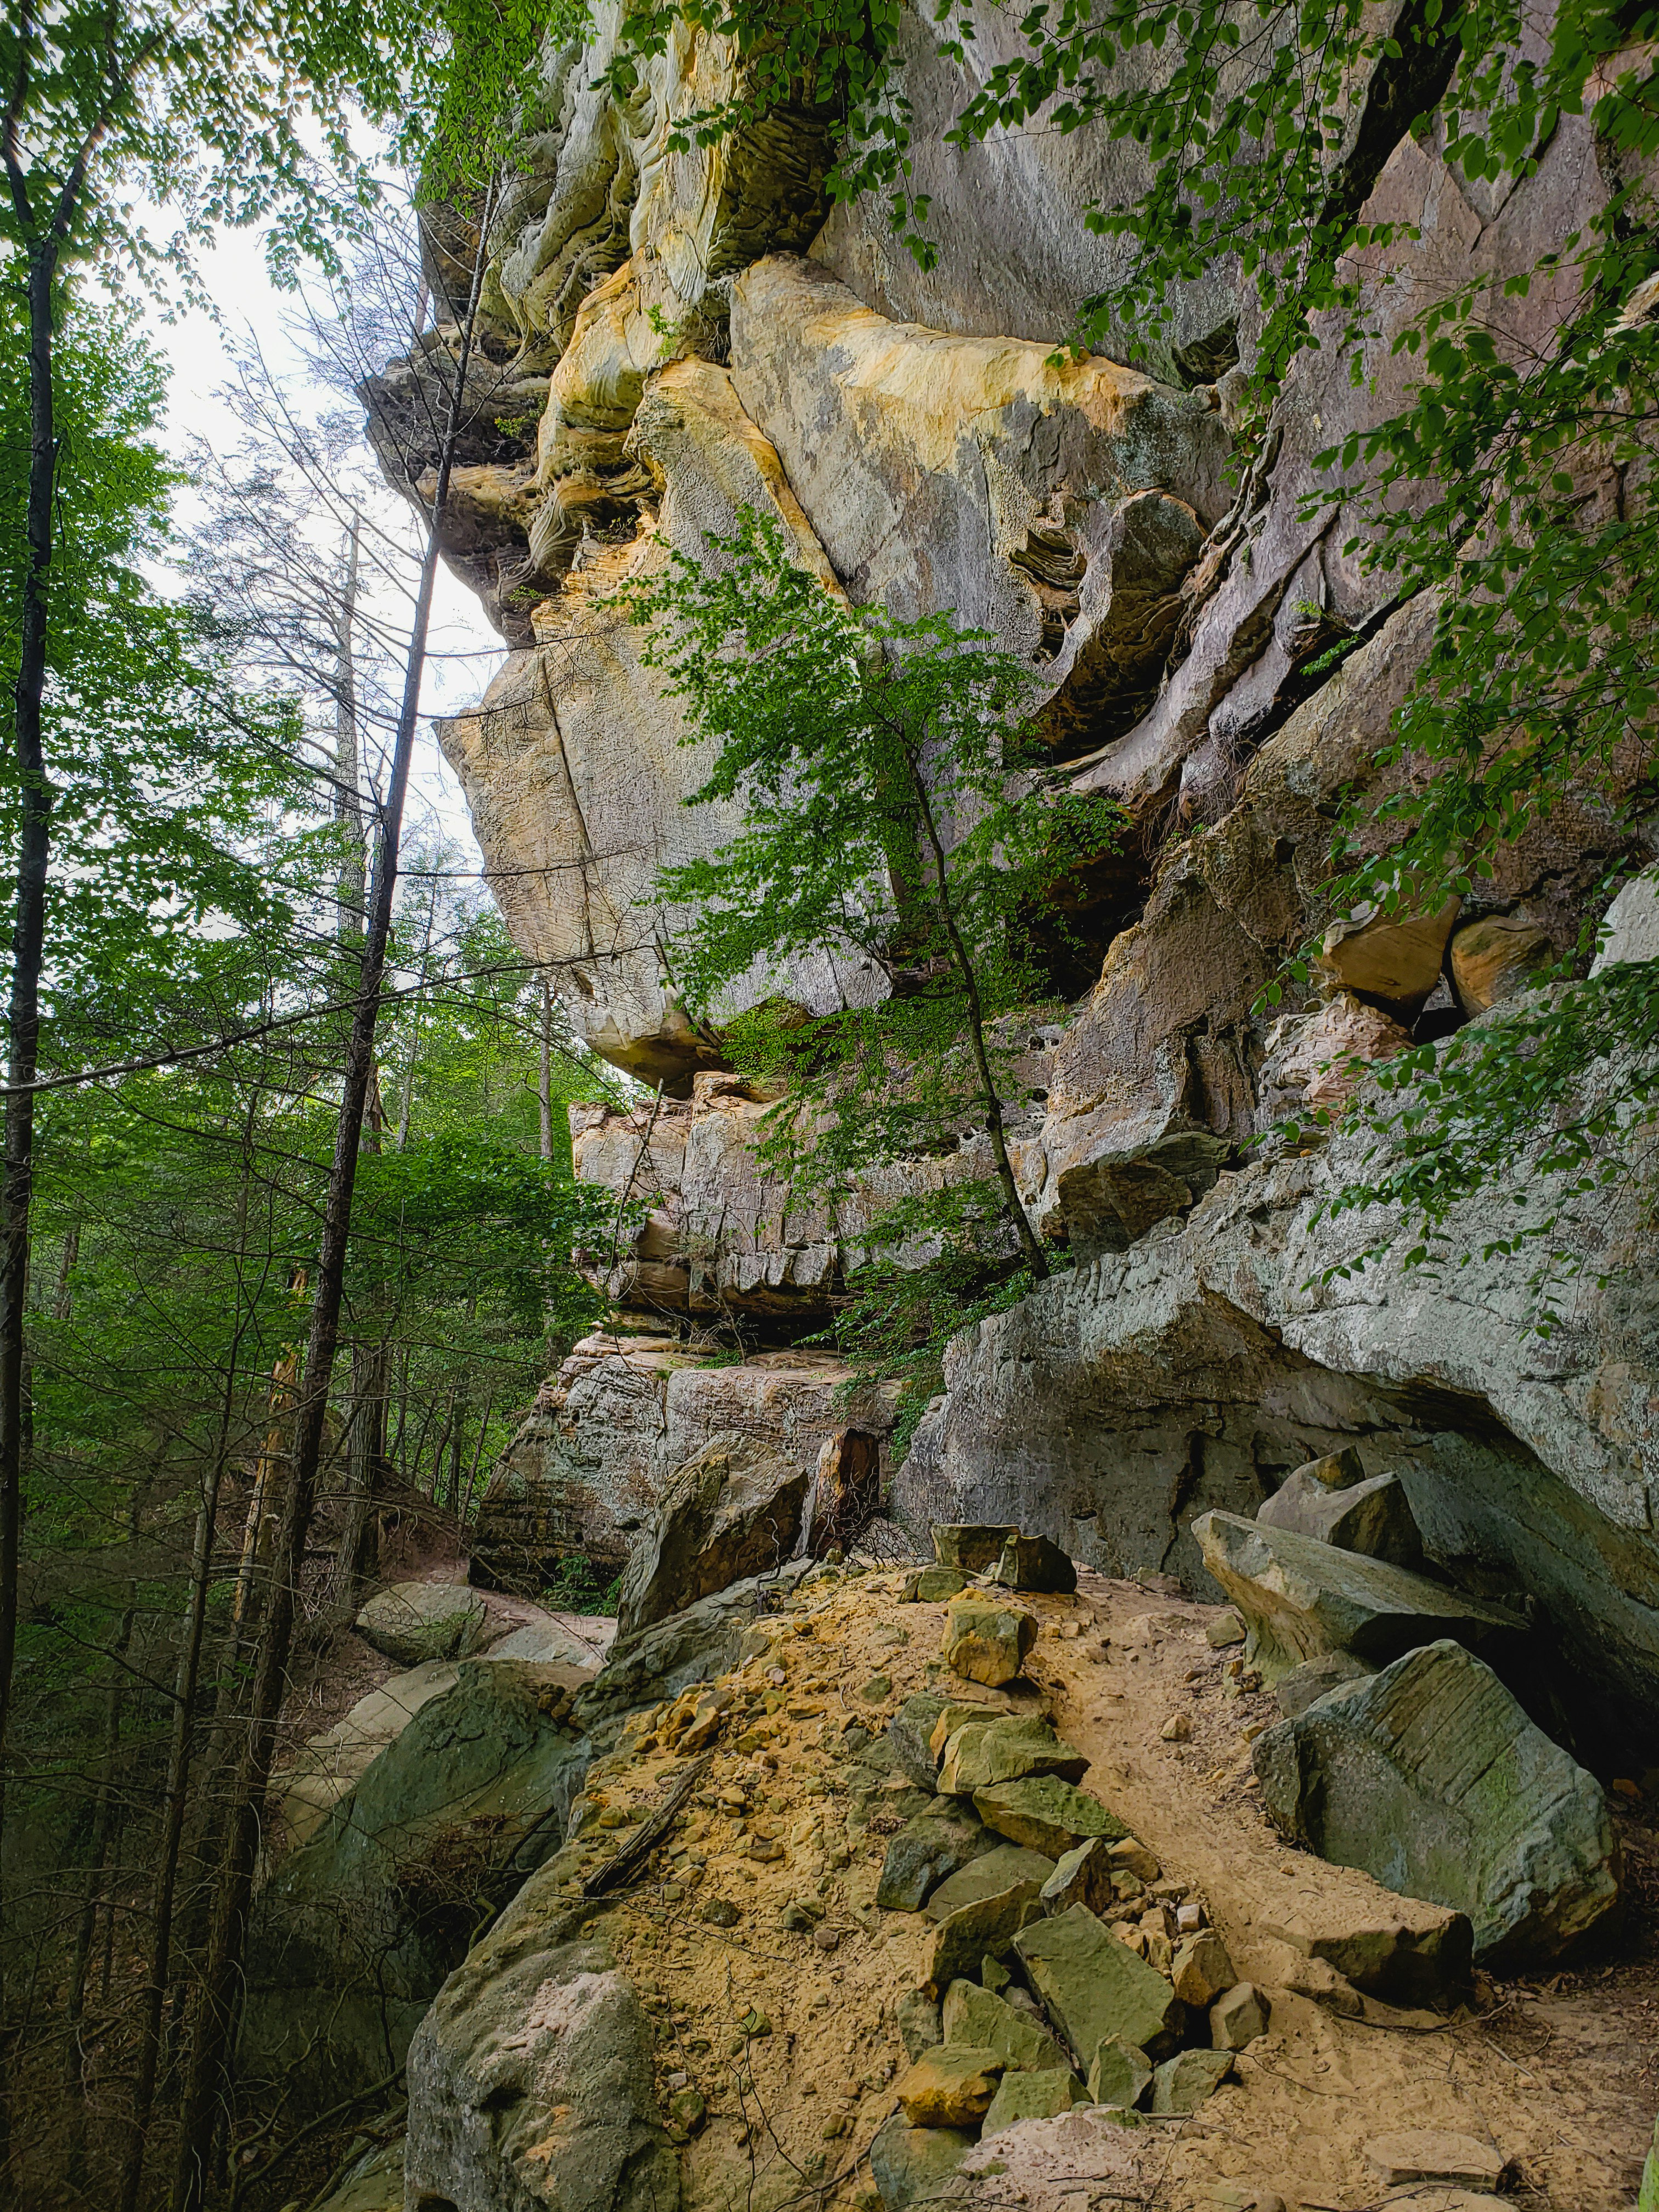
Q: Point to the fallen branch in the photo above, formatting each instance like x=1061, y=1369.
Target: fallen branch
x=632, y=1856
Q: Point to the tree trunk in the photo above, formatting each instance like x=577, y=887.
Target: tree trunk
x=209, y=2070
x=348, y=801
x=544, y=1093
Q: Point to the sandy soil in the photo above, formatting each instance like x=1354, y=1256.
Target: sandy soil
x=1561, y=2077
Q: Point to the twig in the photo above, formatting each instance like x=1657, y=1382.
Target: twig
x=620, y=1869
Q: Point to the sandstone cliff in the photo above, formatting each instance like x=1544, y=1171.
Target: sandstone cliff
x=682, y=334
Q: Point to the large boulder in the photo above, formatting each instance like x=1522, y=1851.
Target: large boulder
x=733, y=1510
x=414, y=1622
x=354, y=1932
x=1431, y=1778
x=1301, y=1597
x=1373, y=1516
x=530, y=2082
x=693, y=1646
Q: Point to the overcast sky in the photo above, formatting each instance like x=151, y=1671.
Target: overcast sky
x=470, y=650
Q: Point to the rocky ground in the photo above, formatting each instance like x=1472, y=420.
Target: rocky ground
x=772, y=1982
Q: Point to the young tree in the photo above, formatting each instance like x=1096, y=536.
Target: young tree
x=886, y=822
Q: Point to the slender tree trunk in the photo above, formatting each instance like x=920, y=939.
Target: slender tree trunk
x=348, y=769
x=1030, y=1245
x=209, y=2072
x=544, y=1092
x=62, y=1303
x=357, y=1559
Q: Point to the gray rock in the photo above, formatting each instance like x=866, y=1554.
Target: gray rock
x=911, y=2163
x=988, y=1924
x=414, y=1622
x=918, y=2018
x=538, y=2038
x=733, y=1510
x=1295, y=1692
x=968, y=1548
x=1182, y=2084
x=981, y=1754
x=1373, y=1517
x=354, y=1932
x=1095, y=1988
x=1121, y=2074
x=1082, y=1875
x=924, y=1852
x=909, y=1732
x=1032, y=1563
x=998, y=1869
x=1431, y=1778
x=974, y=2015
x=1238, y=2017
x=1046, y=1814
x=692, y=1646
x=1337, y=1470
x=1303, y=1598
x=1629, y=930
x=1041, y=2093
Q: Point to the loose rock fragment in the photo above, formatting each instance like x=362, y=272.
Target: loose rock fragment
x=927, y=1850
x=1040, y=2094
x=975, y=2016
x=949, y=2087
x=986, y=1925
x=919, y=2023
x=1431, y=1778
x=1201, y=1969
x=1095, y=1987
x=1295, y=1692
x=981, y=1754
x=910, y=2162
x=1407, y=2154
x=1032, y=1563
x=1046, y=1814
x=1082, y=1875
x=1182, y=2084
x=909, y=1731
x=987, y=1643
x=1120, y=2075
x=970, y=1547
x=1374, y=1517
x=1238, y=2017
x=988, y=1876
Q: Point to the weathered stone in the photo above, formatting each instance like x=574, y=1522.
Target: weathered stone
x=987, y=1924
x=731, y=1511
x=1120, y=2075
x=1184, y=2083
x=1337, y=1470
x=1040, y=2094
x=1225, y=1630
x=414, y=1622
x=908, y=2164
x=910, y=1732
x=933, y=1586
x=1295, y=1692
x=1374, y=1517
x=952, y=1716
x=1407, y=2155
x=1095, y=1987
x=687, y=1647
x=1082, y=1875
x=919, y=2024
x=485, y=2096
x=1201, y=1969
x=987, y=1643
x=374, y=2183
x=949, y=2086
x=1303, y=1598
x=975, y=2015
x=1431, y=1778
x=1395, y=957
x=1315, y=1061
x=1130, y=1856
x=1046, y=1814
x=1497, y=958
x=354, y=1932
x=1238, y=2016
x=1032, y=1563
x=968, y=1548
x=924, y=1852
x=980, y=1755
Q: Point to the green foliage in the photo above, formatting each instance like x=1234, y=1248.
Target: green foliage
x=891, y=834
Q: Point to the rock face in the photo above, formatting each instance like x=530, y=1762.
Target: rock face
x=733, y=1511
x=1430, y=1776
x=356, y=1929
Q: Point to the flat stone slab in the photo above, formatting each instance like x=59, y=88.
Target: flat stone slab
x=989, y=1924
x=1431, y=1778
x=1407, y=2155
x=1040, y=2094
x=907, y=2162
x=982, y=1753
x=951, y=2086
x=1082, y=1875
x=926, y=1851
x=1302, y=1598
x=1095, y=1987
x=987, y=1877
x=1374, y=1517
x=1047, y=1814
x=413, y=1622
x=987, y=1643
x=973, y=2016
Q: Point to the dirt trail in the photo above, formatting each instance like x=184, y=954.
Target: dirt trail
x=788, y=2039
